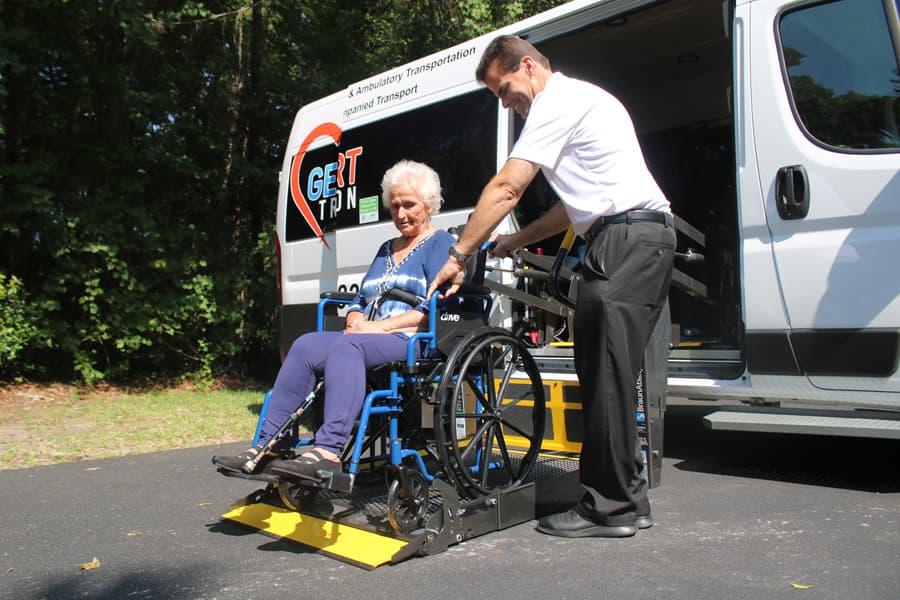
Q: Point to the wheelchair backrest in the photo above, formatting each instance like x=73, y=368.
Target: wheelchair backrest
x=467, y=310
x=460, y=314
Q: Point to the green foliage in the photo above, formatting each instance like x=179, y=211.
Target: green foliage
x=139, y=142
x=18, y=327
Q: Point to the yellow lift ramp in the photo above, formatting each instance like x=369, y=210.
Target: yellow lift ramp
x=355, y=527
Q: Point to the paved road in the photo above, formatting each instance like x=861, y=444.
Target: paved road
x=738, y=516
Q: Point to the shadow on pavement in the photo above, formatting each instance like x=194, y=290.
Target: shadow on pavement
x=842, y=462
x=169, y=583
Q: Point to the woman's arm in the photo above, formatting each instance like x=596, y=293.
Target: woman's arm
x=407, y=322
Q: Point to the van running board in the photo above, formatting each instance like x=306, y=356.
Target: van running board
x=823, y=422
x=354, y=528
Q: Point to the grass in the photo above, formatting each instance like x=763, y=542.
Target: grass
x=47, y=425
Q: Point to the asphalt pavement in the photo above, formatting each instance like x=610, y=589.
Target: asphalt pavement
x=738, y=516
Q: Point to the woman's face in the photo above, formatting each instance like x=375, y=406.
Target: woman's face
x=409, y=212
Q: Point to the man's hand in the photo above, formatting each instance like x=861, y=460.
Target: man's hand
x=504, y=245
x=452, y=272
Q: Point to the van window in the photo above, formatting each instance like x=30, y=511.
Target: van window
x=842, y=72
x=456, y=137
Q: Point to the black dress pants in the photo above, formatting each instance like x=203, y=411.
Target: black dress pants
x=628, y=268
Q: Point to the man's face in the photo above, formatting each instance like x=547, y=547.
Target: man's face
x=515, y=89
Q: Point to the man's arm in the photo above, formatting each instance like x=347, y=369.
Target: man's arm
x=550, y=223
x=498, y=198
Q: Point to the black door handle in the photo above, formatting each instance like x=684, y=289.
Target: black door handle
x=792, y=192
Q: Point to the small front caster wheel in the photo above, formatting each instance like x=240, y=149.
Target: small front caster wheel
x=407, y=503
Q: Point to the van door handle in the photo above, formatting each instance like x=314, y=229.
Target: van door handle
x=792, y=192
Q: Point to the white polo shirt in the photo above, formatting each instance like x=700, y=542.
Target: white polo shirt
x=584, y=141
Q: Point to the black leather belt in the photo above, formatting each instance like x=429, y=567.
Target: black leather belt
x=655, y=216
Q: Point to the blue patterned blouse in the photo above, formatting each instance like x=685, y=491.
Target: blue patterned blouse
x=412, y=274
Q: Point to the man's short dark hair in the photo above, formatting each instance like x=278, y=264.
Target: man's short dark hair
x=509, y=50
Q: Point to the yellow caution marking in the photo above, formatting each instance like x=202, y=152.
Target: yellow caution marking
x=358, y=546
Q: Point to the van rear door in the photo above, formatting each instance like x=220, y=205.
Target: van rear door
x=825, y=97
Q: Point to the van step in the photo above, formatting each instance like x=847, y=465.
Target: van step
x=884, y=425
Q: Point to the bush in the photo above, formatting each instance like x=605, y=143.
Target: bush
x=18, y=323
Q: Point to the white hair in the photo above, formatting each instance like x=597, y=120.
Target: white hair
x=420, y=177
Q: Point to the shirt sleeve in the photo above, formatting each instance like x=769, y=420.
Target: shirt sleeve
x=551, y=122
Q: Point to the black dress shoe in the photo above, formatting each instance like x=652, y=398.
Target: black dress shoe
x=572, y=524
x=644, y=521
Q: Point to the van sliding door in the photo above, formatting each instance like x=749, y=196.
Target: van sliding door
x=823, y=95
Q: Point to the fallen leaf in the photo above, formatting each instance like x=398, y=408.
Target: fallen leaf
x=94, y=564
x=801, y=586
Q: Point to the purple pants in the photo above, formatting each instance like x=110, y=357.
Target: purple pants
x=342, y=359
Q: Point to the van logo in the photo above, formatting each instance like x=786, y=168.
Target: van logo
x=325, y=129
x=452, y=317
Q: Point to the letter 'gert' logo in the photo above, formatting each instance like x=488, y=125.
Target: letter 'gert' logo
x=325, y=129
x=326, y=184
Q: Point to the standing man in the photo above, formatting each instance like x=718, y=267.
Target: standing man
x=584, y=141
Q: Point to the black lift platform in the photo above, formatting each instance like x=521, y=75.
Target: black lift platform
x=355, y=528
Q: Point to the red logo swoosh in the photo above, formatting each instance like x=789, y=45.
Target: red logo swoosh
x=325, y=129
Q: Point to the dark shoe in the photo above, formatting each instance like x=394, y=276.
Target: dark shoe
x=306, y=466
x=644, y=521
x=238, y=464
x=572, y=524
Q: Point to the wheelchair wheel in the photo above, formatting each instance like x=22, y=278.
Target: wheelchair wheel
x=407, y=504
x=490, y=413
x=296, y=497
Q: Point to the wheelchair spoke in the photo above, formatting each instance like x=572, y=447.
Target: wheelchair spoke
x=504, y=452
x=474, y=445
x=507, y=373
x=487, y=453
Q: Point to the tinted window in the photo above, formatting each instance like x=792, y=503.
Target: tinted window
x=843, y=73
x=457, y=138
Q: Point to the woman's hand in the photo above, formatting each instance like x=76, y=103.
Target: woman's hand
x=364, y=326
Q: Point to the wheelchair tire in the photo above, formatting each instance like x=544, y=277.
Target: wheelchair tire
x=489, y=436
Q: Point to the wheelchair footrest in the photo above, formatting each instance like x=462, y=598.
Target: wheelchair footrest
x=263, y=475
x=325, y=480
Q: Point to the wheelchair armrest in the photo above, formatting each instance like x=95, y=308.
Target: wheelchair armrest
x=339, y=296
x=327, y=298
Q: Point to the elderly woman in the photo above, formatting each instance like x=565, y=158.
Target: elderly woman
x=376, y=332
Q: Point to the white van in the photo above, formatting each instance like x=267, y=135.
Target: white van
x=773, y=127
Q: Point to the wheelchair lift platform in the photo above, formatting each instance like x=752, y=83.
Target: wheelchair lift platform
x=354, y=527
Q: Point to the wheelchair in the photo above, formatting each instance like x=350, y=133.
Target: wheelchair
x=465, y=413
